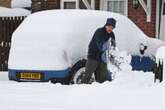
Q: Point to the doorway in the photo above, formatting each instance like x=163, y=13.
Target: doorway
x=162, y=21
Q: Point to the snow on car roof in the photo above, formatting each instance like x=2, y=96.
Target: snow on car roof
x=57, y=38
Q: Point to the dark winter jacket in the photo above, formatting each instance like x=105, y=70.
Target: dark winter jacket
x=100, y=37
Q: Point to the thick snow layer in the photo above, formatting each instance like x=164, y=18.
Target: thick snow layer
x=20, y=3
x=129, y=91
x=56, y=39
x=13, y=12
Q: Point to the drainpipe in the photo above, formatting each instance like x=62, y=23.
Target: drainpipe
x=77, y=4
x=93, y=4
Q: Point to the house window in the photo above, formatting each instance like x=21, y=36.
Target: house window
x=164, y=9
x=69, y=4
x=118, y=6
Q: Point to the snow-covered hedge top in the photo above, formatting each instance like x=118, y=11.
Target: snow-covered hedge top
x=20, y=3
x=57, y=38
x=13, y=12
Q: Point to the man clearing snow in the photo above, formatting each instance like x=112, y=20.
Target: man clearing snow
x=97, y=53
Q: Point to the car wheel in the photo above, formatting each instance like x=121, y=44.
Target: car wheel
x=77, y=70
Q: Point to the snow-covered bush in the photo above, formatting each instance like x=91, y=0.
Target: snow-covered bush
x=20, y=3
x=6, y=12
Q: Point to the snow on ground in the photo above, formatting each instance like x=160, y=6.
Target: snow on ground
x=130, y=90
x=3, y=76
x=13, y=12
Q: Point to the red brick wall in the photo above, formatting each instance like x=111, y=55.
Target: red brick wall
x=5, y=3
x=38, y=5
x=138, y=16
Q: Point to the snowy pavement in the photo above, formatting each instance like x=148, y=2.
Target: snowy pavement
x=129, y=91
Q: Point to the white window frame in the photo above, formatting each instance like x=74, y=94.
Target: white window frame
x=63, y=1
x=157, y=18
x=147, y=8
x=104, y=5
x=89, y=6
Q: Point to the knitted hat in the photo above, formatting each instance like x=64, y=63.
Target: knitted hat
x=111, y=21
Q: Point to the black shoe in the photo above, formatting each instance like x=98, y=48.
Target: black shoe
x=85, y=78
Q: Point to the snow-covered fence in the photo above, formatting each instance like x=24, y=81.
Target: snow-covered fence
x=7, y=27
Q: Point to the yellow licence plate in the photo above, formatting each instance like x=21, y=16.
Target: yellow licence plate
x=30, y=76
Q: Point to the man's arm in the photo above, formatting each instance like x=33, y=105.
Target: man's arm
x=97, y=41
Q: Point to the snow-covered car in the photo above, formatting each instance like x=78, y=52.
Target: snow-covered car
x=52, y=45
